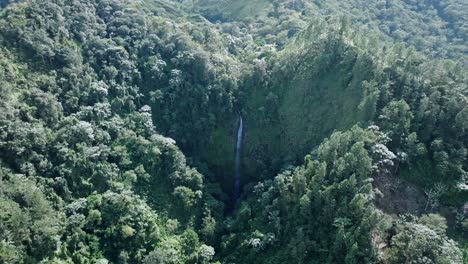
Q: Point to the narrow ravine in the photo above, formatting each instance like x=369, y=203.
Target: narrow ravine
x=237, y=163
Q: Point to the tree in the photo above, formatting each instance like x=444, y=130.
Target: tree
x=416, y=243
x=396, y=118
x=435, y=222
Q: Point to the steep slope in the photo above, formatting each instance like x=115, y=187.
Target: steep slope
x=322, y=212
x=310, y=92
x=330, y=78
x=77, y=131
x=384, y=88
x=118, y=126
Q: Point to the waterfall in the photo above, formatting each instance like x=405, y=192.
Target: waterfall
x=237, y=164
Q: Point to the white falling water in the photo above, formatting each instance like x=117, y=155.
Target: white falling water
x=237, y=164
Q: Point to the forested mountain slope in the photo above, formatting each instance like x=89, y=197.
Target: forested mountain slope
x=437, y=28
x=77, y=130
x=119, y=118
x=329, y=78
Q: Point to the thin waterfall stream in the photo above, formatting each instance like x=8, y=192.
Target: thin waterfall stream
x=237, y=162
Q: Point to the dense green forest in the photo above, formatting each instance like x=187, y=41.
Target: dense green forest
x=261, y=131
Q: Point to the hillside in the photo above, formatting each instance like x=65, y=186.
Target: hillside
x=436, y=28
x=121, y=138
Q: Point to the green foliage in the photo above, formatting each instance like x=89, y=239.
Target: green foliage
x=76, y=125
x=418, y=243
x=30, y=223
x=324, y=206
x=437, y=28
x=101, y=101
x=434, y=222
x=330, y=78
